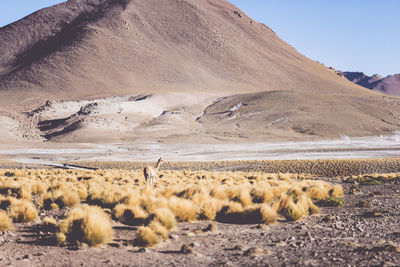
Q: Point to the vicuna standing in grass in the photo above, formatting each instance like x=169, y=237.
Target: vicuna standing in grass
x=150, y=173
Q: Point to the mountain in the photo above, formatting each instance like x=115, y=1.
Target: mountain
x=389, y=85
x=171, y=70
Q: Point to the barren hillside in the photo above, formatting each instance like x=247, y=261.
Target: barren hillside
x=208, y=73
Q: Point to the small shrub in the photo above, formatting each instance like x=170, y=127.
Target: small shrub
x=22, y=210
x=262, y=194
x=86, y=224
x=5, y=222
x=208, y=210
x=365, y=203
x=184, y=210
x=290, y=210
x=330, y=202
x=159, y=229
x=268, y=214
x=146, y=237
x=364, y=180
x=317, y=191
x=130, y=215
x=165, y=217
x=69, y=199
x=336, y=191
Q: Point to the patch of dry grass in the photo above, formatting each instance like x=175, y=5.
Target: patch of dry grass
x=5, y=222
x=22, y=210
x=181, y=196
x=86, y=224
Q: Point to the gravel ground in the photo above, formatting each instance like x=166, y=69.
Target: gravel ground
x=349, y=235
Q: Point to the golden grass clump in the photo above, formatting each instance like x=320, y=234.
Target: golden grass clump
x=290, y=210
x=39, y=188
x=268, y=214
x=184, y=210
x=22, y=210
x=86, y=224
x=159, y=229
x=336, y=191
x=130, y=215
x=151, y=203
x=69, y=198
x=5, y=222
x=318, y=191
x=146, y=237
x=165, y=217
x=208, y=209
x=262, y=193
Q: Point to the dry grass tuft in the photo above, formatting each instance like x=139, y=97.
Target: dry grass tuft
x=130, y=215
x=146, y=237
x=184, y=210
x=5, y=222
x=69, y=199
x=22, y=210
x=290, y=210
x=336, y=191
x=268, y=214
x=165, y=217
x=86, y=224
x=159, y=229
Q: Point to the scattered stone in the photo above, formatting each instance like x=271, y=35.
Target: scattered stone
x=212, y=227
x=190, y=234
x=40, y=254
x=372, y=214
x=186, y=249
x=194, y=244
x=261, y=227
x=328, y=218
x=238, y=247
x=255, y=251
x=115, y=245
x=174, y=237
x=145, y=250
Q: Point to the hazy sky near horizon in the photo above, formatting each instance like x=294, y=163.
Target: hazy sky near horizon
x=353, y=35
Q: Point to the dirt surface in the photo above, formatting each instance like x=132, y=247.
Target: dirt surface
x=353, y=235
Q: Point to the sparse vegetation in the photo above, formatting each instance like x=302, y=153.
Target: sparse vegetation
x=329, y=202
x=181, y=196
x=86, y=224
x=5, y=222
x=365, y=203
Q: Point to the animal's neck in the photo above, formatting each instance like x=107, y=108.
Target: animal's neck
x=158, y=165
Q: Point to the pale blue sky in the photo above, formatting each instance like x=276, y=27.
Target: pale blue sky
x=355, y=35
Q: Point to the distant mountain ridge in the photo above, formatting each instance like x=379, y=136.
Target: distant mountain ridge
x=388, y=85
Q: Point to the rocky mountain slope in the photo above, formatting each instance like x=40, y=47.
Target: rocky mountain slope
x=208, y=73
